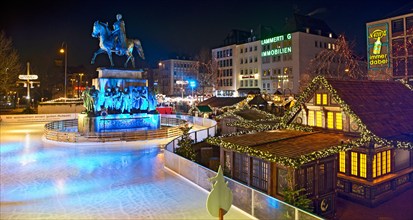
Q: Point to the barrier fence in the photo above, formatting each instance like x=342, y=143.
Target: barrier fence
x=66, y=131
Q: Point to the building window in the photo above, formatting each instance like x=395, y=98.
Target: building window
x=381, y=163
x=310, y=118
x=335, y=120
x=319, y=119
x=241, y=164
x=242, y=83
x=321, y=99
x=255, y=82
x=354, y=163
x=259, y=174
x=363, y=167
x=310, y=181
x=342, y=161
x=359, y=164
x=397, y=27
x=330, y=120
x=255, y=48
x=339, y=121
x=409, y=25
x=325, y=177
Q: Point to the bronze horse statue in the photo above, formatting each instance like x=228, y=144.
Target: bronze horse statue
x=108, y=44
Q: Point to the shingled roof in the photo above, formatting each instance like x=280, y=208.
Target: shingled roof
x=288, y=143
x=219, y=102
x=385, y=107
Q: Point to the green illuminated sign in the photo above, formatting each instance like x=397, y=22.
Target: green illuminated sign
x=277, y=51
x=276, y=39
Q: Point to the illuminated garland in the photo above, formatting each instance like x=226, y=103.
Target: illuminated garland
x=366, y=136
x=253, y=125
x=286, y=161
x=407, y=84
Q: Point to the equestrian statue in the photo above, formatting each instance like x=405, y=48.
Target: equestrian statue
x=115, y=41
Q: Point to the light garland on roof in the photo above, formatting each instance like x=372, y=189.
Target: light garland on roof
x=286, y=161
x=366, y=136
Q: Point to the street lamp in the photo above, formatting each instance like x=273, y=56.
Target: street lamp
x=64, y=50
x=192, y=83
x=73, y=87
x=79, y=84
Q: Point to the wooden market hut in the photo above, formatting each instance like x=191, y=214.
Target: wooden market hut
x=268, y=160
x=379, y=114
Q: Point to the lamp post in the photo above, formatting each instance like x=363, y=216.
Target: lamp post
x=192, y=84
x=73, y=87
x=64, y=50
x=79, y=84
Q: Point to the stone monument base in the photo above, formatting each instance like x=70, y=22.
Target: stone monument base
x=118, y=122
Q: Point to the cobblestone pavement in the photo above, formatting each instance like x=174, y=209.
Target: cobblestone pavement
x=44, y=180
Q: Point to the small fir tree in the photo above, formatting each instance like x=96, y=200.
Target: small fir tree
x=185, y=144
x=296, y=196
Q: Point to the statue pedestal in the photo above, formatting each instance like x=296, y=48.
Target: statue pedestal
x=118, y=123
x=119, y=73
x=117, y=91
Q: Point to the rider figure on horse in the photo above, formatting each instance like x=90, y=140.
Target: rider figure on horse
x=120, y=35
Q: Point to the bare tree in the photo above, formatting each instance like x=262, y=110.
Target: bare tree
x=10, y=66
x=208, y=70
x=338, y=62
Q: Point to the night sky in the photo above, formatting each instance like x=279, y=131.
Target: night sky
x=168, y=28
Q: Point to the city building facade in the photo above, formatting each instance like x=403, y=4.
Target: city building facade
x=390, y=48
x=173, y=76
x=274, y=63
x=226, y=78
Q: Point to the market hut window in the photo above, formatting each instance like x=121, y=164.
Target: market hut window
x=325, y=177
x=342, y=161
x=260, y=174
x=310, y=118
x=359, y=164
x=381, y=163
x=306, y=179
x=241, y=164
x=319, y=118
x=315, y=118
x=321, y=99
x=335, y=120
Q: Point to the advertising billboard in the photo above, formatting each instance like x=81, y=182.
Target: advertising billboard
x=378, y=46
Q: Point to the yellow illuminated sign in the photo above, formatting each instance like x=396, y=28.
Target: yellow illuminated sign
x=378, y=46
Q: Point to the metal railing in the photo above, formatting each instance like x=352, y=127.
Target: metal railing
x=66, y=131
